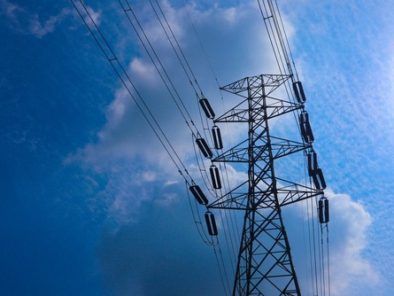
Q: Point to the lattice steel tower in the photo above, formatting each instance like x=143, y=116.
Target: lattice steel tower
x=265, y=265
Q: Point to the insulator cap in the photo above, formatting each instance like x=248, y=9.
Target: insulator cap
x=312, y=163
x=206, y=107
x=205, y=150
x=198, y=194
x=211, y=224
x=324, y=211
x=318, y=179
x=306, y=129
x=299, y=91
x=217, y=137
x=215, y=176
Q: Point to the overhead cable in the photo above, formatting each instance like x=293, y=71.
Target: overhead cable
x=128, y=84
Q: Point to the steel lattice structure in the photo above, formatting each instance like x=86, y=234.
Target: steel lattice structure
x=265, y=265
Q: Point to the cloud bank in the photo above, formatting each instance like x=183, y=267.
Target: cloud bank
x=25, y=21
x=349, y=227
x=138, y=169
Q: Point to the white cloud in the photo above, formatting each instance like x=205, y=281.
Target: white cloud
x=95, y=16
x=171, y=182
x=125, y=137
x=10, y=9
x=90, y=16
x=143, y=70
x=349, y=227
x=349, y=230
x=40, y=29
x=348, y=76
x=120, y=139
x=231, y=14
x=28, y=22
x=149, y=176
x=128, y=188
x=116, y=133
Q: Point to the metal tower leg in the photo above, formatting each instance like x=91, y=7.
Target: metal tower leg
x=264, y=264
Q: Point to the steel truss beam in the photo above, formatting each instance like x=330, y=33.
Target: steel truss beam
x=280, y=148
x=264, y=266
x=287, y=193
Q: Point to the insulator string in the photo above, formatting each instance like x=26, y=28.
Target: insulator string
x=128, y=84
x=180, y=55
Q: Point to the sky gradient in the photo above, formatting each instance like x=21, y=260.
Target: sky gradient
x=90, y=204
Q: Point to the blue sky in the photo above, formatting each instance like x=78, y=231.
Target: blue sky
x=90, y=204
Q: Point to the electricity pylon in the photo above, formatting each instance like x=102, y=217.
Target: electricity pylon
x=265, y=265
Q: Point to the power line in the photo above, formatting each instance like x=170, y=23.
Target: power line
x=123, y=76
x=188, y=71
x=281, y=48
x=156, y=61
x=182, y=59
x=262, y=203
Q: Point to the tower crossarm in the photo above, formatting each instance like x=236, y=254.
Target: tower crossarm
x=283, y=108
x=291, y=192
x=239, y=153
x=280, y=148
x=287, y=194
x=275, y=107
x=270, y=82
x=264, y=264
